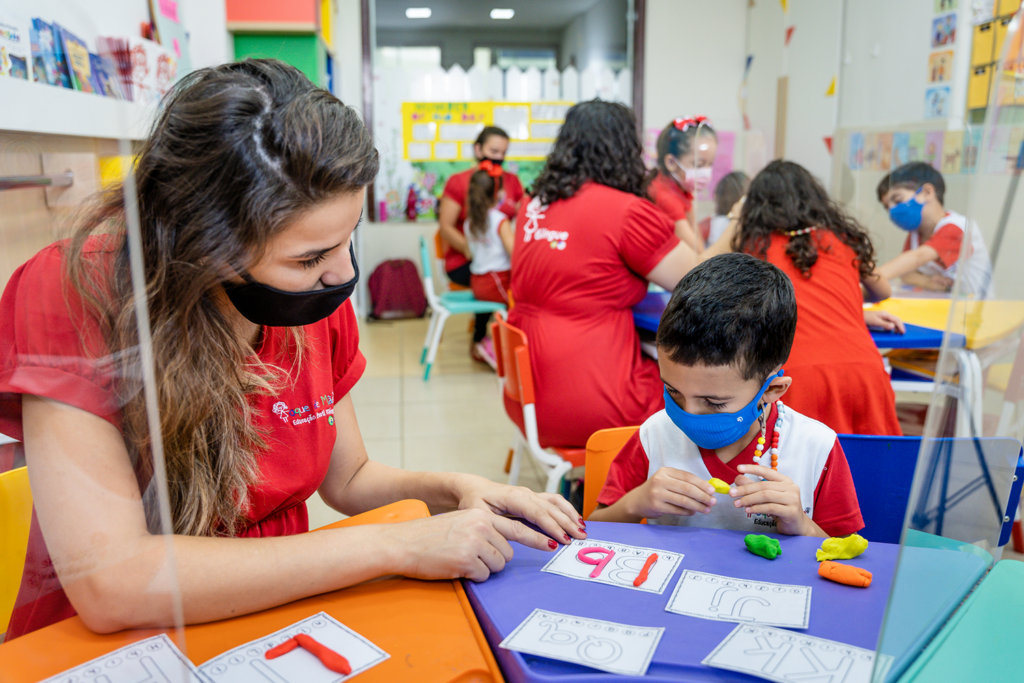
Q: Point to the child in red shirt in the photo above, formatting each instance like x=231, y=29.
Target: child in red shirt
x=721, y=344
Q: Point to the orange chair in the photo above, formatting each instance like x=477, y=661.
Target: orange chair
x=516, y=373
x=602, y=447
x=439, y=253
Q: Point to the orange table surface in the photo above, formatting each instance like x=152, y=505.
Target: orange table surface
x=428, y=628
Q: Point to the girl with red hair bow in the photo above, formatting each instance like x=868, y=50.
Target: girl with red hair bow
x=686, y=152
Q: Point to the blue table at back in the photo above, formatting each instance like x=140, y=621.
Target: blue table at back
x=647, y=315
x=838, y=612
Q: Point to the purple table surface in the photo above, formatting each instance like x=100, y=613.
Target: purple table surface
x=841, y=613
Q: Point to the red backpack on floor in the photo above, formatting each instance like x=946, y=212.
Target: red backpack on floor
x=396, y=291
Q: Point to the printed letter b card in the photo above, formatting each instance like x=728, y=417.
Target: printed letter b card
x=604, y=645
x=248, y=663
x=721, y=598
x=784, y=656
x=152, y=659
x=615, y=564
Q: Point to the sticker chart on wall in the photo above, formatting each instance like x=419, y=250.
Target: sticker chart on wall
x=605, y=645
x=723, y=598
x=784, y=656
x=446, y=131
x=248, y=663
x=616, y=564
x=154, y=659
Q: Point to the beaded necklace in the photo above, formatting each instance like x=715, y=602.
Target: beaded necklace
x=776, y=435
x=794, y=233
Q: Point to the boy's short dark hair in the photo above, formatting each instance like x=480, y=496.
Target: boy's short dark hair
x=912, y=176
x=733, y=309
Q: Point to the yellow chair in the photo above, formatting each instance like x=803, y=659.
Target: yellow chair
x=15, y=520
x=602, y=447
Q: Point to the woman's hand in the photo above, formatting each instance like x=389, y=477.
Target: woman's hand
x=555, y=517
x=777, y=496
x=884, y=320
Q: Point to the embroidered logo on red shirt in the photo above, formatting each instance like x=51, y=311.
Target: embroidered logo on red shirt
x=556, y=239
x=307, y=414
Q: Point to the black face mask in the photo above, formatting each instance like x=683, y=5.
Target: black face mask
x=265, y=305
x=496, y=162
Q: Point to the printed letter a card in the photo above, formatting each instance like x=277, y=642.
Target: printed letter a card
x=152, y=659
x=784, y=656
x=722, y=598
x=604, y=645
x=615, y=564
x=248, y=663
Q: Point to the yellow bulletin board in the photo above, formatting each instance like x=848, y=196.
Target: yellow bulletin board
x=446, y=131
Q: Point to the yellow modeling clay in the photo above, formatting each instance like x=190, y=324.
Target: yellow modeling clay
x=842, y=548
x=720, y=486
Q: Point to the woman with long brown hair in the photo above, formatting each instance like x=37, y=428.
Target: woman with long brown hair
x=247, y=194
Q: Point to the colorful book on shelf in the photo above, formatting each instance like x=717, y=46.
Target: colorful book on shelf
x=104, y=77
x=117, y=51
x=78, y=59
x=15, y=49
x=38, y=63
x=59, y=71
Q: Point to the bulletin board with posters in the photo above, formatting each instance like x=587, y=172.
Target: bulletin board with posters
x=446, y=131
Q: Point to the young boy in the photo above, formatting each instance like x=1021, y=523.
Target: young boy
x=913, y=196
x=721, y=344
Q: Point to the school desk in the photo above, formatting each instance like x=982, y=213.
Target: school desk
x=427, y=627
x=982, y=640
x=940, y=580
x=647, y=315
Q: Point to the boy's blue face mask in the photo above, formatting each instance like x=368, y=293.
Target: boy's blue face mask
x=907, y=215
x=717, y=430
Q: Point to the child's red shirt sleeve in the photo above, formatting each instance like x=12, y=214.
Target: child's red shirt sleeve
x=836, y=509
x=946, y=241
x=627, y=471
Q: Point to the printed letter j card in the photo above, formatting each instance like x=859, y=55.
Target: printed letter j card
x=723, y=598
x=784, y=656
x=604, y=645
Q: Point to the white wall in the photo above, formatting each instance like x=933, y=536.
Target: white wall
x=597, y=34
x=693, y=61
x=348, y=53
x=206, y=23
x=885, y=62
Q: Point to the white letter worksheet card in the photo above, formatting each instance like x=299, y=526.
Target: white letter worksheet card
x=722, y=598
x=153, y=660
x=615, y=564
x=604, y=645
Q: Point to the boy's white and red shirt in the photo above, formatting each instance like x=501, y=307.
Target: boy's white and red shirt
x=947, y=240
x=809, y=454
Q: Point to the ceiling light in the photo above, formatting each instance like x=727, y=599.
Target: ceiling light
x=417, y=13
x=502, y=13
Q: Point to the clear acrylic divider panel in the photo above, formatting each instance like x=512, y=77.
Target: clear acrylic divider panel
x=967, y=481
x=67, y=496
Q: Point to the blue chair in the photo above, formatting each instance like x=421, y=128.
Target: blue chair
x=443, y=306
x=883, y=470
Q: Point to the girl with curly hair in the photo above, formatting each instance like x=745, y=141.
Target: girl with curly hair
x=586, y=246
x=789, y=220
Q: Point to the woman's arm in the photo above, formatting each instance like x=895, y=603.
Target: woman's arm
x=686, y=232
x=723, y=245
x=876, y=286
x=671, y=269
x=118, y=575
x=507, y=238
x=447, y=216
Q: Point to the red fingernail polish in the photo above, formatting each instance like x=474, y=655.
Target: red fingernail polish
x=583, y=531
x=567, y=537
x=552, y=544
x=582, y=523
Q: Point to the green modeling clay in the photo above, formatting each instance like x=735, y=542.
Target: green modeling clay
x=762, y=545
x=842, y=548
x=720, y=486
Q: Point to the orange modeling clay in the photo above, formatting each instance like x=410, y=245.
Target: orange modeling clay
x=844, y=573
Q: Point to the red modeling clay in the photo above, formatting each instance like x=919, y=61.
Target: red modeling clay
x=282, y=649
x=328, y=657
x=584, y=556
x=642, y=576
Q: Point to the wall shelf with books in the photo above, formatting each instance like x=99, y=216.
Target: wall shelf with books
x=36, y=108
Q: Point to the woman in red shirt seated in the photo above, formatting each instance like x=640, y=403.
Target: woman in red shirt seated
x=686, y=153
x=248, y=191
x=586, y=246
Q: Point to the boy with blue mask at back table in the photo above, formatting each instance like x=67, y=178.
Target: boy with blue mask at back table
x=722, y=341
x=913, y=195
